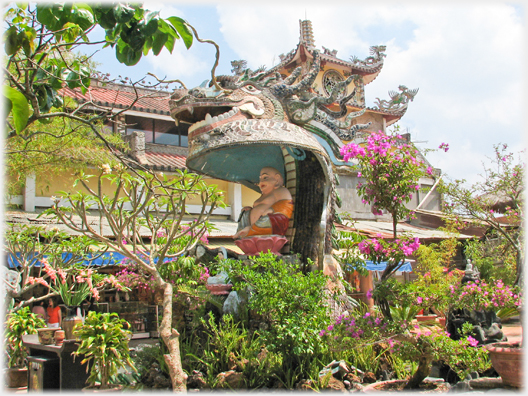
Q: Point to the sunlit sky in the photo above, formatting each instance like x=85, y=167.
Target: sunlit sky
x=466, y=58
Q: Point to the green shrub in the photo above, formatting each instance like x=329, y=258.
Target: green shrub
x=19, y=323
x=293, y=305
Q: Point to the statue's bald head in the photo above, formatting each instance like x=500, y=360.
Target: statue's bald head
x=273, y=173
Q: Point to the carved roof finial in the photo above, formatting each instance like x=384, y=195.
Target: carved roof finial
x=307, y=37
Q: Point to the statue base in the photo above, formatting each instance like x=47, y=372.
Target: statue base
x=254, y=245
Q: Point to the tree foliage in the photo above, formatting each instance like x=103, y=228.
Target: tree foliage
x=145, y=220
x=496, y=202
x=44, y=44
x=38, y=38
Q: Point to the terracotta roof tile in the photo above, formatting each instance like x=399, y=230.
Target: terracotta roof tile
x=120, y=97
x=166, y=162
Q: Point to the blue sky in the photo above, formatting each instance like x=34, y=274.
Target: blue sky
x=466, y=58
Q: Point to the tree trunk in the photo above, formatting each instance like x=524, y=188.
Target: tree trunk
x=424, y=367
x=171, y=338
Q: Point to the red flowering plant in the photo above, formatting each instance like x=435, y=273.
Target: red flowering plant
x=75, y=283
x=406, y=342
x=392, y=169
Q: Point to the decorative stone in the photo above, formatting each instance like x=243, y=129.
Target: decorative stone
x=220, y=278
x=232, y=304
x=196, y=380
x=231, y=380
x=304, y=385
x=335, y=385
x=253, y=246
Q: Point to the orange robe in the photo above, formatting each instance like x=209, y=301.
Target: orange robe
x=279, y=219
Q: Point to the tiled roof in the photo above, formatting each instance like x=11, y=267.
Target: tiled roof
x=167, y=162
x=120, y=96
x=383, y=229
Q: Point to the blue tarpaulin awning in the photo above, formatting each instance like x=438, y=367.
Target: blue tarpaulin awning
x=105, y=259
x=371, y=266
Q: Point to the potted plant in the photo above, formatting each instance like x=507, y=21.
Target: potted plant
x=506, y=357
x=104, y=348
x=19, y=323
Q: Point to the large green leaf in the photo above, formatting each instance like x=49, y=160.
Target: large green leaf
x=123, y=13
x=19, y=107
x=125, y=54
x=12, y=41
x=46, y=16
x=181, y=27
x=83, y=16
x=159, y=41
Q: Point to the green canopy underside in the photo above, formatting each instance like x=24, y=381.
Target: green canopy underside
x=239, y=164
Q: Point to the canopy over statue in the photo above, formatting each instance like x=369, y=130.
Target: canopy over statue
x=294, y=118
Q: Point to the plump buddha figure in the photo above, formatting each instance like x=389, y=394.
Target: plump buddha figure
x=271, y=212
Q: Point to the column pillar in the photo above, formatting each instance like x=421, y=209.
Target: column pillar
x=29, y=193
x=235, y=199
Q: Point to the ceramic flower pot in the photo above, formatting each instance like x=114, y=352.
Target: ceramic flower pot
x=70, y=321
x=60, y=335
x=16, y=377
x=507, y=360
x=425, y=318
x=46, y=334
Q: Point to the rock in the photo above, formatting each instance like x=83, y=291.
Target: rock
x=369, y=378
x=338, y=368
x=231, y=361
x=335, y=385
x=353, y=378
x=232, y=304
x=219, y=279
x=355, y=387
x=304, y=385
x=241, y=364
x=461, y=386
x=196, y=381
x=263, y=354
x=161, y=382
x=385, y=375
x=230, y=380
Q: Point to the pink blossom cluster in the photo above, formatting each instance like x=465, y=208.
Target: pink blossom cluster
x=378, y=247
x=362, y=326
x=131, y=277
x=203, y=237
x=444, y=146
x=490, y=296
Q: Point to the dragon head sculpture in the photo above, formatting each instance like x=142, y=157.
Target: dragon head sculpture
x=279, y=118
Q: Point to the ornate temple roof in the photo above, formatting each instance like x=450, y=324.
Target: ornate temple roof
x=368, y=68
